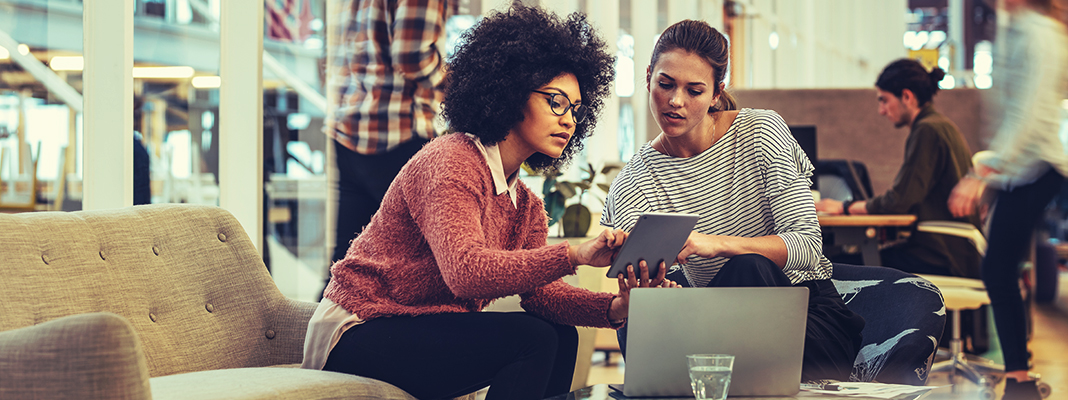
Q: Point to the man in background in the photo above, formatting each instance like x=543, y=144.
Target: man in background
x=936, y=157
x=385, y=83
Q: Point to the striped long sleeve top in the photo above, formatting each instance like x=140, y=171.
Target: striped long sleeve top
x=754, y=181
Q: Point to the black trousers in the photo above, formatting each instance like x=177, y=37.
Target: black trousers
x=362, y=181
x=518, y=355
x=832, y=334
x=1015, y=217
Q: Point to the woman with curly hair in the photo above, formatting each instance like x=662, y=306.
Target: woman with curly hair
x=457, y=230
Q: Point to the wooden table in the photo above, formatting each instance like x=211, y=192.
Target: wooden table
x=862, y=231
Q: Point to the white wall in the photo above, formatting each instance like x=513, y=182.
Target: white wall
x=822, y=43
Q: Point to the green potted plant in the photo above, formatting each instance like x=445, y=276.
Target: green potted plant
x=576, y=218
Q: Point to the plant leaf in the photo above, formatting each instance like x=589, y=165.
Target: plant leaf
x=576, y=220
x=609, y=168
x=554, y=207
x=567, y=189
x=547, y=186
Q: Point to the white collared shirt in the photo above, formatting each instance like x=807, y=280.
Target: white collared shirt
x=496, y=166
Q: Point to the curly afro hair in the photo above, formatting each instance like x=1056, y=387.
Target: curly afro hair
x=508, y=54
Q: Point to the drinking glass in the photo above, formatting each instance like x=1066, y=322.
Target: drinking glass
x=710, y=375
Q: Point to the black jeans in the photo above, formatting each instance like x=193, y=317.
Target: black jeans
x=518, y=355
x=832, y=334
x=362, y=182
x=1015, y=217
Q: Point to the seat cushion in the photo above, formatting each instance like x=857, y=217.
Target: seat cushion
x=271, y=383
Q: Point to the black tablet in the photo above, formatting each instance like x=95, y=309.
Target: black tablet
x=656, y=237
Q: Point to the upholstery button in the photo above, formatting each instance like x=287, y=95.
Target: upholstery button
x=102, y=255
x=44, y=258
x=152, y=317
x=269, y=334
x=155, y=249
x=210, y=308
x=222, y=237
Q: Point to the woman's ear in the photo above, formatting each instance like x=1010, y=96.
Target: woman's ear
x=719, y=93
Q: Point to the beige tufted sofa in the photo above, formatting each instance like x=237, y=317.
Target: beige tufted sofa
x=159, y=301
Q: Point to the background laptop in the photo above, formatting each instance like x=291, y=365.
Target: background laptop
x=764, y=328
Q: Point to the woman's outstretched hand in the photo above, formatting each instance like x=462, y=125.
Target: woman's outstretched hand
x=600, y=251
x=620, y=305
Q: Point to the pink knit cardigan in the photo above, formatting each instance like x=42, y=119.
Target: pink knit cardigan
x=443, y=241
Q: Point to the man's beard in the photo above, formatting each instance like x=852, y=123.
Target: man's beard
x=903, y=121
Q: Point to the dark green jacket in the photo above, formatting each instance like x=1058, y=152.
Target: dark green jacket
x=936, y=157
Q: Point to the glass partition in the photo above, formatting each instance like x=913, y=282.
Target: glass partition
x=294, y=146
x=40, y=104
x=176, y=101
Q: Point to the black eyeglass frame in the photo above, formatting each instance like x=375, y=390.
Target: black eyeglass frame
x=578, y=111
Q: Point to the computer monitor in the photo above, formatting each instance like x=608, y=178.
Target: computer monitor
x=805, y=135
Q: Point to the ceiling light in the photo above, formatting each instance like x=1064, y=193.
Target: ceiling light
x=163, y=72
x=4, y=54
x=206, y=82
x=67, y=63
x=24, y=49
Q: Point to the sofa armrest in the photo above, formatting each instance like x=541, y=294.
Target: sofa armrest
x=290, y=320
x=85, y=356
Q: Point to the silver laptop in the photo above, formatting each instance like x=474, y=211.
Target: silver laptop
x=764, y=328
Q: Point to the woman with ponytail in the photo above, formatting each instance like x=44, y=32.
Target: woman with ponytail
x=748, y=179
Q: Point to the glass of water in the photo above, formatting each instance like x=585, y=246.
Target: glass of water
x=710, y=375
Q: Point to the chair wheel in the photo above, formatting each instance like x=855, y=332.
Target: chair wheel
x=986, y=393
x=1044, y=389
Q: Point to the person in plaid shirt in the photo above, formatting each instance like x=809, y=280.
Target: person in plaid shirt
x=385, y=87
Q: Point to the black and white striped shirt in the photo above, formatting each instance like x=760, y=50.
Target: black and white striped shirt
x=754, y=181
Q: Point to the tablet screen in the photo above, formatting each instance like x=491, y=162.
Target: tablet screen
x=656, y=237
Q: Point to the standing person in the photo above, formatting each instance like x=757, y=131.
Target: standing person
x=747, y=178
x=936, y=158
x=1027, y=169
x=387, y=84
x=457, y=230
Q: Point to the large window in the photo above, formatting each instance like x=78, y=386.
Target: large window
x=40, y=104
x=294, y=146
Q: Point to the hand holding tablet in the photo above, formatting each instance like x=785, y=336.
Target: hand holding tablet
x=656, y=238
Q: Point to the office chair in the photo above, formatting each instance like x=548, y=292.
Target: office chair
x=966, y=294
x=843, y=180
x=904, y=316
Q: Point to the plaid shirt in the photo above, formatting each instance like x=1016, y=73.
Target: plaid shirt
x=387, y=72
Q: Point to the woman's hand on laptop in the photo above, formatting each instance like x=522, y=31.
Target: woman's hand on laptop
x=600, y=251
x=618, y=309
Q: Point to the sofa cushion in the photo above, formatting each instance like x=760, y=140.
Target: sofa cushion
x=271, y=383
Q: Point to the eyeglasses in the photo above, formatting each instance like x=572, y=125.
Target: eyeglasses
x=578, y=111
